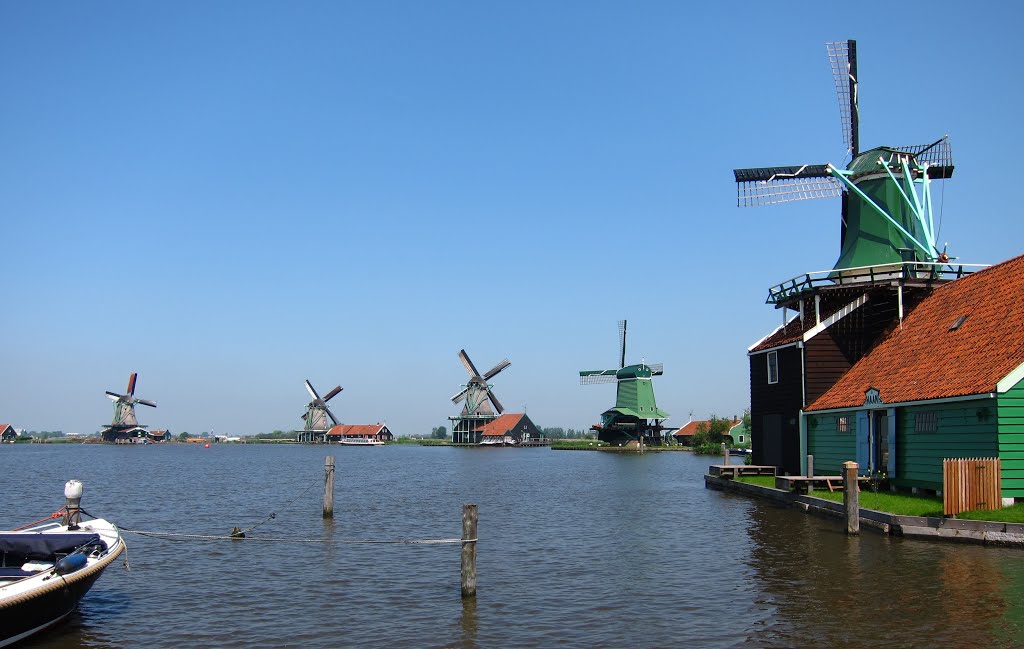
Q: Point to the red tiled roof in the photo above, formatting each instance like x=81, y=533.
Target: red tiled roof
x=355, y=430
x=927, y=360
x=691, y=427
x=500, y=426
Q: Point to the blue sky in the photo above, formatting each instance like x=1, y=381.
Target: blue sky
x=231, y=197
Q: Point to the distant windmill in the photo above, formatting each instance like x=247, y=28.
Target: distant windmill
x=478, y=397
x=318, y=416
x=886, y=199
x=635, y=415
x=125, y=426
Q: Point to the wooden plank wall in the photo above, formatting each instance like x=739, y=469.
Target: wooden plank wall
x=828, y=445
x=970, y=483
x=1011, y=440
x=964, y=429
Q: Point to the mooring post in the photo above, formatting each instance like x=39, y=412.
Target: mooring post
x=329, y=487
x=810, y=472
x=469, y=520
x=725, y=455
x=851, y=498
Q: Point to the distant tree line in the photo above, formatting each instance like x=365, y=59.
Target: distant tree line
x=43, y=434
x=561, y=433
x=277, y=434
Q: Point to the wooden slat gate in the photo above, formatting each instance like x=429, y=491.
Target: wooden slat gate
x=970, y=483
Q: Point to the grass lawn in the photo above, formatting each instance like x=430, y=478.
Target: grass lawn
x=1014, y=514
x=903, y=504
x=759, y=480
x=892, y=503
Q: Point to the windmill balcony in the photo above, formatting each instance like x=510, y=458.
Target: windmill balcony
x=905, y=273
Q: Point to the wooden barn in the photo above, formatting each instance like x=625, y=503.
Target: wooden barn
x=510, y=429
x=7, y=433
x=377, y=432
x=948, y=382
x=831, y=329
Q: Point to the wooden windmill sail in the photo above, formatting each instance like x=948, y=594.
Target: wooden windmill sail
x=635, y=415
x=480, y=405
x=318, y=417
x=125, y=425
x=886, y=213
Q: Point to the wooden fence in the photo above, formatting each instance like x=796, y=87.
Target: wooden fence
x=970, y=483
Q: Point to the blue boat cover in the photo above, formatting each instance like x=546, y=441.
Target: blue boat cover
x=44, y=546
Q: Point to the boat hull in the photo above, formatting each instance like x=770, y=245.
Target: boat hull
x=41, y=611
x=32, y=604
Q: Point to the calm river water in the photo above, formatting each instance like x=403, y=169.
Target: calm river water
x=576, y=549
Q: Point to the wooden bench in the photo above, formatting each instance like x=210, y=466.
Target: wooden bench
x=734, y=470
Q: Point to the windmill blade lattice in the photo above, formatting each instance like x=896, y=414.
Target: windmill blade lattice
x=843, y=58
x=771, y=185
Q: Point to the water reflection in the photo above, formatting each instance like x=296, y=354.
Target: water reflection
x=468, y=623
x=848, y=591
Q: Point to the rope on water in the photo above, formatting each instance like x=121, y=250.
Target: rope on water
x=173, y=536
x=273, y=515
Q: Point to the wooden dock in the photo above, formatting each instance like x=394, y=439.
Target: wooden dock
x=800, y=483
x=734, y=470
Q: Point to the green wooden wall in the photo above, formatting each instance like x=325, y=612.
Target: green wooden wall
x=1011, y=440
x=963, y=429
x=830, y=447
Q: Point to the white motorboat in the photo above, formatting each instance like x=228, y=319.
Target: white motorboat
x=48, y=566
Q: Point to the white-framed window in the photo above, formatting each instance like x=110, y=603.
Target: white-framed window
x=773, y=368
x=843, y=424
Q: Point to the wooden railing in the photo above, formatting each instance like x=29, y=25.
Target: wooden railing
x=970, y=483
x=868, y=276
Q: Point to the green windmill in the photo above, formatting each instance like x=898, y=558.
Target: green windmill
x=885, y=191
x=636, y=415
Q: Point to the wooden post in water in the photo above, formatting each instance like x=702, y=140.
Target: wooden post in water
x=851, y=498
x=329, y=486
x=810, y=472
x=469, y=520
x=725, y=455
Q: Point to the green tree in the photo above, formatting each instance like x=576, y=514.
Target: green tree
x=439, y=432
x=710, y=434
x=182, y=436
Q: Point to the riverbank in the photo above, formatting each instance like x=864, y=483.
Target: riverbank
x=926, y=527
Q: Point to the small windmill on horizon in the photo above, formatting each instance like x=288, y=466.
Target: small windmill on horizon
x=635, y=415
x=479, y=403
x=318, y=417
x=125, y=426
